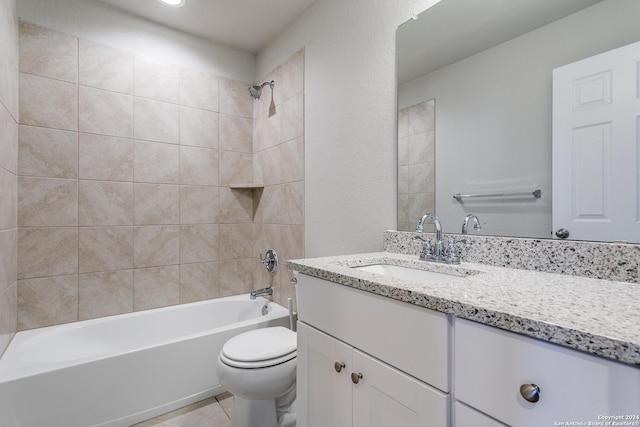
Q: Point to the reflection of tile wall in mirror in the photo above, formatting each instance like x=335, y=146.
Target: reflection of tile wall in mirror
x=416, y=163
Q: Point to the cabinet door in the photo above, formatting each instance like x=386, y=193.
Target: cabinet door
x=386, y=397
x=466, y=417
x=324, y=395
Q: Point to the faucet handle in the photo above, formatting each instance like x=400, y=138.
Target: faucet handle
x=427, y=250
x=452, y=251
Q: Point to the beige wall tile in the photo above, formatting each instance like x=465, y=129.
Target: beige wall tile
x=292, y=111
x=105, y=294
x=403, y=122
x=235, y=168
x=9, y=258
x=156, y=121
x=156, y=204
x=237, y=277
x=105, y=249
x=236, y=133
x=419, y=146
x=48, y=103
x=236, y=206
x=198, y=166
x=9, y=198
x=266, y=131
x=419, y=204
x=403, y=179
x=403, y=151
x=270, y=205
x=105, y=113
x=292, y=203
x=199, y=243
x=105, y=158
x=292, y=160
x=156, y=245
x=198, y=205
x=105, y=203
x=8, y=315
x=292, y=75
x=155, y=80
x=235, y=99
x=47, y=202
x=48, y=53
x=8, y=140
x=422, y=178
x=238, y=241
x=47, y=301
x=198, y=127
x=48, y=152
x=47, y=251
x=105, y=67
x=421, y=117
x=156, y=162
x=10, y=57
x=156, y=287
x=199, y=281
x=199, y=89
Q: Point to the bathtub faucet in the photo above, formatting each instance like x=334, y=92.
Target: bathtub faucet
x=261, y=292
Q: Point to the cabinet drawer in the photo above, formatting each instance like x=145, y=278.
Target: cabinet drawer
x=411, y=338
x=491, y=365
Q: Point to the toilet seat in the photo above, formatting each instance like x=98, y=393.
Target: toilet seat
x=260, y=348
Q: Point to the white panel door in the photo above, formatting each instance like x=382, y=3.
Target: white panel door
x=596, y=110
x=323, y=394
x=386, y=397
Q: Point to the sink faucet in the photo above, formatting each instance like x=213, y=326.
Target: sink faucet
x=439, y=248
x=465, y=224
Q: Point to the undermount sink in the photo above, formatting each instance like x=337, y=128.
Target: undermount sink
x=406, y=273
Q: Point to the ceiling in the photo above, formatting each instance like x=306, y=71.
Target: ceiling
x=453, y=30
x=248, y=25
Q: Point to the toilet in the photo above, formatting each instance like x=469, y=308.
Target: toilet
x=259, y=368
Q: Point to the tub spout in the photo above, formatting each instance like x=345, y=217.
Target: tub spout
x=261, y=292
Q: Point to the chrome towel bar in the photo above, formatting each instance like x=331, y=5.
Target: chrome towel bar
x=535, y=193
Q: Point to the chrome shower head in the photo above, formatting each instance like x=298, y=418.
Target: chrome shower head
x=256, y=91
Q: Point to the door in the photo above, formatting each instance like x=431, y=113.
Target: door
x=386, y=397
x=596, y=116
x=324, y=394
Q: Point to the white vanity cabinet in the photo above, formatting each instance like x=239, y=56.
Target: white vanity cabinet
x=491, y=365
x=369, y=361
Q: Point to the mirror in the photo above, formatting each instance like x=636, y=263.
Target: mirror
x=485, y=69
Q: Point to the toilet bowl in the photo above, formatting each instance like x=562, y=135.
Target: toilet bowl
x=259, y=368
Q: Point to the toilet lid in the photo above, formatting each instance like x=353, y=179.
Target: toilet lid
x=260, y=345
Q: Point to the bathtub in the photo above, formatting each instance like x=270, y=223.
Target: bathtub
x=119, y=370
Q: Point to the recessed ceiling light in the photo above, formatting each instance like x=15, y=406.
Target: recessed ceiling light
x=173, y=3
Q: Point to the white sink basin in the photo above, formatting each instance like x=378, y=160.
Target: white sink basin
x=406, y=273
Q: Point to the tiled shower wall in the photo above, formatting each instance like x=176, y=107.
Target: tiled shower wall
x=278, y=141
x=124, y=198
x=416, y=163
x=8, y=169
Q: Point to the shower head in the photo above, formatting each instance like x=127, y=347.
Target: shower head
x=256, y=91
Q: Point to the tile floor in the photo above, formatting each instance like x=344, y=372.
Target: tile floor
x=212, y=412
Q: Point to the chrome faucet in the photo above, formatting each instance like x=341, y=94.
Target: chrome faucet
x=261, y=292
x=427, y=254
x=270, y=262
x=465, y=224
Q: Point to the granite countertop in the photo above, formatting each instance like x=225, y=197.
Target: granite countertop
x=596, y=316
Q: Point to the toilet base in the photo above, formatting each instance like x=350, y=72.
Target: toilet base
x=261, y=413
x=253, y=413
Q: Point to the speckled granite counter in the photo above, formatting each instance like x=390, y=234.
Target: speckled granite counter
x=596, y=316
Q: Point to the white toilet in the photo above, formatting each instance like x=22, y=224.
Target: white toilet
x=259, y=368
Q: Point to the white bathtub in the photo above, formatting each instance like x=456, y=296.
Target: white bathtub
x=119, y=370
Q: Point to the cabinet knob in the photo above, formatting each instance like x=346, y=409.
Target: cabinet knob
x=338, y=366
x=355, y=378
x=530, y=392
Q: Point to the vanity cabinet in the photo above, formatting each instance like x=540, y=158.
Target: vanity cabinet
x=367, y=361
x=491, y=365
